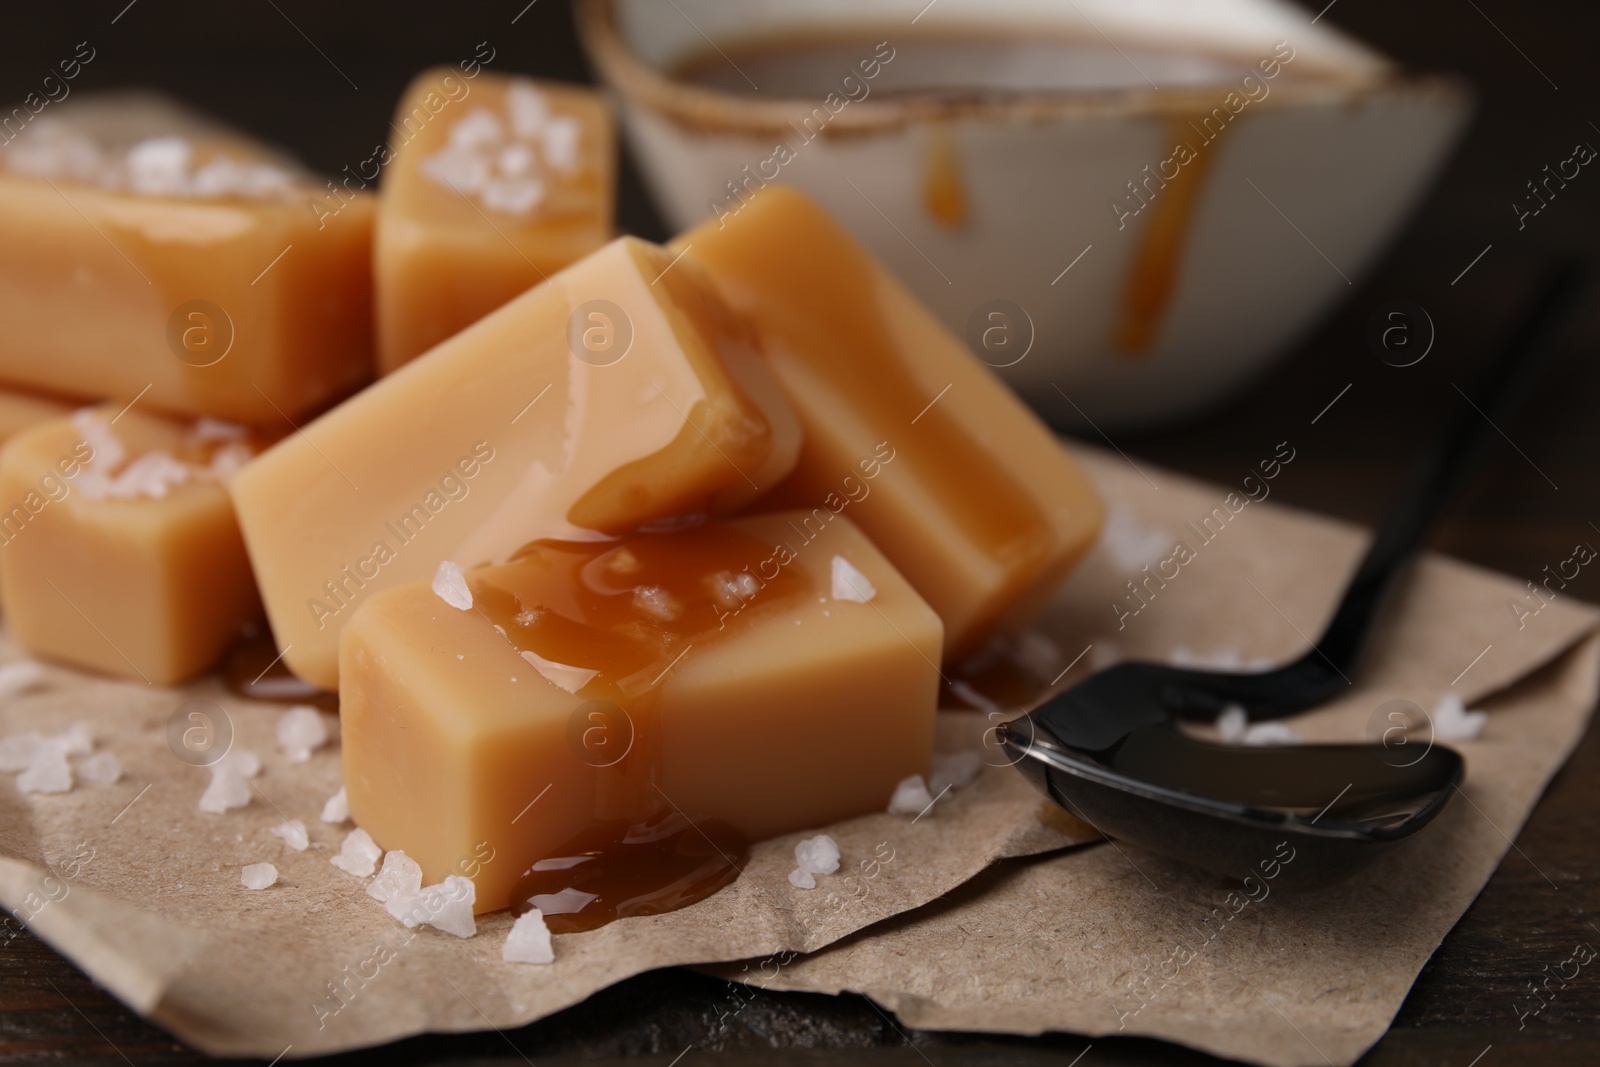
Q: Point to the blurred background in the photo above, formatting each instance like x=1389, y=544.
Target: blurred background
x=323, y=79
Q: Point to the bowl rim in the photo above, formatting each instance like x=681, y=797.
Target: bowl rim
x=707, y=110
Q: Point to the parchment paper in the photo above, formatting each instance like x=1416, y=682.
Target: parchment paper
x=157, y=915
x=1112, y=939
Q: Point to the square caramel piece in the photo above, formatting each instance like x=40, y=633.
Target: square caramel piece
x=972, y=497
x=119, y=550
x=652, y=703
x=497, y=183
x=617, y=393
x=147, y=252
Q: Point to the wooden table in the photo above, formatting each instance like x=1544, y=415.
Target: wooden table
x=254, y=68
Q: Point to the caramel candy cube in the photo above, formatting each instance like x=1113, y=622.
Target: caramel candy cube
x=766, y=675
x=119, y=550
x=189, y=268
x=497, y=183
x=965, y=490
x=618, y=392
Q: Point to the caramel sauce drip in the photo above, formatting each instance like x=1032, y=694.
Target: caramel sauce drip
x=1154, y=279
x=629, y=611
x=944, y=192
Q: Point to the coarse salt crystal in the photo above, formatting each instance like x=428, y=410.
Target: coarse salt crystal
x=1232, y=724
x=293, y=832
x=1131, y=544
x=208, y=429
x=47, y=772
x=337, y=809
x=401, y=877
x=515, y=196
x=1453, y=722
x=301, y=730
x=446, y=906
x=102, y=767
x=450, y=583
x=656, y=601
x=477, y=128
x=358, y=855
x=911, y=797
x=20, y=676
x=258, y=876
x=528, y=107
x=228, y=790
x=106, y=448
x=1270, y=733
x=528, y=940
x=239, y=761
x=814, y=856
x=850, y=584
x=953, y=770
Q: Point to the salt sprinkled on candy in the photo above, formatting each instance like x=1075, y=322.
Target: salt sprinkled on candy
x=446, y=906
x=239, y=761
x=450, y=583
x=47, y=772
x=911, y=797
x=228, y=461
x=96, y=431
x=850, y=584
x=301, y=731
x=400, y=878
x=656, y=601
x=19, y=676
x=258, y=876
x=358, y=855
x=477, y=127
x=954, y=770
x=207, y=429
x=814, y=856
x=529, y=940
x=1453, y=722
x=528, y=108
x=337, y=809
x=102, y=767
x=293, y=832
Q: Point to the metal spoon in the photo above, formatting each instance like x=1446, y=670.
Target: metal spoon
x=1109, y=751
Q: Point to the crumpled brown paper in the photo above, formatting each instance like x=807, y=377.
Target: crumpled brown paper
x=142, y=890
x=1104, y=940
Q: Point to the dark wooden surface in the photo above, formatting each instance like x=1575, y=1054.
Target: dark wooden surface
x=1535, y=499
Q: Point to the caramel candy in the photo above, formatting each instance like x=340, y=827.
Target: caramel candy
x=740, y=680
x=119, y=551
x=497, y=184
x=964, y=489
x=188, y=267
x=20, y=410
x=619, y=392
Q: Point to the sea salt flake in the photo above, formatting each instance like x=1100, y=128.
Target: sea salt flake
x=528, y=940
x=478, y=128
x=1232, y=724
x=528, y=107
x=358, y=855
x=337, y=809
x=459, y=169
x=850, y=584
x=1131, y=543
x=1453, y=722
x=450, y=583
x=732, y=588
x=293, y=832
x=106, y=448
x=301, y=730
x=514, y=196
x=814, y=856
x=228, y=790
x=446, y=906
x=102, y=767
x=954, y=770
x=561, y=675
x=258, y=876
x=19, y=677
x=1270, y=733
x=47, y=772
x=401, y=877
x=911, y=797
x=239, y=761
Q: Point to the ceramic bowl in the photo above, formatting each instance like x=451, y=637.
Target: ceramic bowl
x=1129, y=212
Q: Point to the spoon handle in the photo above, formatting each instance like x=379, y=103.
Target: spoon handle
x=1506, y=386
